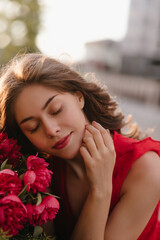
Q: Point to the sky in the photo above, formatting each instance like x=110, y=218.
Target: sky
x=68, y=24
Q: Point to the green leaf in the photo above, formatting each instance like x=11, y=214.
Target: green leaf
x=37, y=231
x=3, y=165
x=23, y=192
x=8, y=166
x=4, y=235
x=50, y=194
x=24, y=158
x=39, y=199
x=21, y=176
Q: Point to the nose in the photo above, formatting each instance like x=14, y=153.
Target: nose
x=51, y=127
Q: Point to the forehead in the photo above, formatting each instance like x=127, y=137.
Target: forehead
x=32, y=98
x=36, y=90
x=36, y=95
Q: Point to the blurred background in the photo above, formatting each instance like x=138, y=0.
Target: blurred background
x=119, y=41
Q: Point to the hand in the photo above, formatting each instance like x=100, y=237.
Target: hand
x=99, y=157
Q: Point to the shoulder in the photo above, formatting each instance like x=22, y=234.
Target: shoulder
x=139, y=197
x=147, y=166
x=144, y=174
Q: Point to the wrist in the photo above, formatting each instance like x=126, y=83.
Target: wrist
x=99, y=194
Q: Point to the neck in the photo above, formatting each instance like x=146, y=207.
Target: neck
x=76, y=165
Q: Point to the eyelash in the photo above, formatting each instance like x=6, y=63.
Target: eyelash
x=58, y=111
x=33, y=130
x=55, y=113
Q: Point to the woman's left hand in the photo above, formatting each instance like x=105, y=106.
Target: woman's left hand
x=99, y=157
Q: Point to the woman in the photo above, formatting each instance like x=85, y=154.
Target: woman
x=109, y=184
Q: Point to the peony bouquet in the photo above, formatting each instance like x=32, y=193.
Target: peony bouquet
x=25, y=204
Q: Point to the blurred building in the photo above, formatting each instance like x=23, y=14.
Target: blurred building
x=104, y=54
x=141, y=46
x=139, y=52
x=143, y=35
x=131, y=68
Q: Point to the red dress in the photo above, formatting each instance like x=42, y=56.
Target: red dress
x=127, y=151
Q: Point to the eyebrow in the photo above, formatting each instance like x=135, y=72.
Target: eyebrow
x=43, y=108
x=48, y=101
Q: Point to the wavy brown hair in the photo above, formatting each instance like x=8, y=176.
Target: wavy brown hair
x=31, y=69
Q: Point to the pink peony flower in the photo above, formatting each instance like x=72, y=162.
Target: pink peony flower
x=9, y=183
x=9, y=150
x=38, y=176
x=13, y=214
x=44, y=212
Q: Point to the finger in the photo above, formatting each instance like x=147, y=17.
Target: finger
x=90, y=144
x=107, y=138
x=86, y=156
x=97, y=136
x=87, y=133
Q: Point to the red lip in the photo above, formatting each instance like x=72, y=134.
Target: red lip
x=63, y=142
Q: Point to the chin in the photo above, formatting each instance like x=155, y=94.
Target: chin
x=69, y=155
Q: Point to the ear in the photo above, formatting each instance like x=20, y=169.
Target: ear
x=80, y=99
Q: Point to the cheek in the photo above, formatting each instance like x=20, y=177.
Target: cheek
x=37, y=141
x=39, y=144
x=74, y=116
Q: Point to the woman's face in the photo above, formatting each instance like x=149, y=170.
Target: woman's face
x=54, y=122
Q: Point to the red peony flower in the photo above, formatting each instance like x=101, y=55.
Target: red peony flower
x=38, y=177
x=9, y=183
x=36, y=163
x=13, y=214
x=9, y=150
x=44, y=212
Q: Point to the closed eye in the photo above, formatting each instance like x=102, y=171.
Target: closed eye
x=54, y=113
x=58, y=111
x=34, y=129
